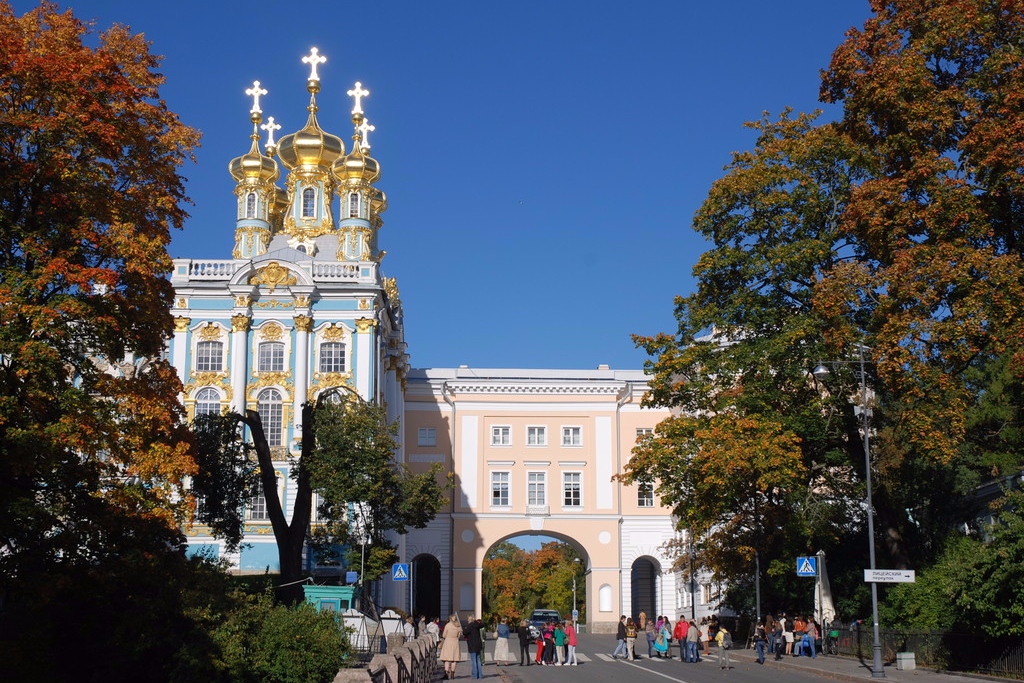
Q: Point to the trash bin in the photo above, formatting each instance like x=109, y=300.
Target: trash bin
x=905, y=661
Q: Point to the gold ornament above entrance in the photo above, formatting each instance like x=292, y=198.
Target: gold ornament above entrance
x=273, y=275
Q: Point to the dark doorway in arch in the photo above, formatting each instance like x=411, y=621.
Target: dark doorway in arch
x=426, y=589
x=644, y=587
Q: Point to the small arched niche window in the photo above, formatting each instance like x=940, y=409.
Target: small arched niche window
x=309, y=203
x=250, y=205
x=353, y=205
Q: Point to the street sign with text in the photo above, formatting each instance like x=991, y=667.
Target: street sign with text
x=889, y=575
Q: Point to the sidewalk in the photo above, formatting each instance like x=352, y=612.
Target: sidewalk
x=853, y=670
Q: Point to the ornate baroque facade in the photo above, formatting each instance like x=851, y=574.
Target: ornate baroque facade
x=303, y=306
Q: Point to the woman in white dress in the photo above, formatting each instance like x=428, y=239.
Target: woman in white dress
x=501, y=653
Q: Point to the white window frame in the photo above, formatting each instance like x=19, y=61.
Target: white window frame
x=501, y=481
x=536, y=483
x=536, y=435
x=271, y=411
x=501, y=435
x=270, y=356
x=643, y=431
x=309, y=202
x=568, y=485
x=645, y=495
x=207, y=352
x=209, y=398
x=426, y=436
x=333, y=362
x=572, y=436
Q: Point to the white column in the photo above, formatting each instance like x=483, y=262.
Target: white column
x=303, y=326
x=365, y=357
x=239, y=355
x=180, y=351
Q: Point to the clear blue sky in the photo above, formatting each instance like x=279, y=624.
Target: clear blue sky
x=542, y=158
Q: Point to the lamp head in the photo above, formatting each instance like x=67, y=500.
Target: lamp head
x=821, y=372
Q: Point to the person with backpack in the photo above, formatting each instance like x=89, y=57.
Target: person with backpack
x=630, y=639
x=724, y=640
x=760, y=638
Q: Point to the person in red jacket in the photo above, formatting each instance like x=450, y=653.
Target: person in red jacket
x=682, y=627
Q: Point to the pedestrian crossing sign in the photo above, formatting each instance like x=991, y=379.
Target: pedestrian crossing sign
x=400, y=571
x=806, y=566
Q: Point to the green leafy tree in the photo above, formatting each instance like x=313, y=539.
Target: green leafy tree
x=894, y=230
x=347, y=458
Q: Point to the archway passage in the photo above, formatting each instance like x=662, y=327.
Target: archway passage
x=528, y=571
x=644, y=587
x=426, y=589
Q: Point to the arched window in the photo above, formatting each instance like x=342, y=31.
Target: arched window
x=353, y=204
x=250, y=205
x=209, y=356
x=332, y=357
x=207, y=402
x=271, y=357
x=270, y=407
x=309, y=203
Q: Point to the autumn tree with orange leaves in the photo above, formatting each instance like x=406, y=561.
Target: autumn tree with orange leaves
x=93, y=447
x=897, y=227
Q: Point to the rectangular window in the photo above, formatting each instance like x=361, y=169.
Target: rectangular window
x=209, y=356
x=332, y=357
x=572, y=436
x=536, y=436
x=426, y=436
x=258, y=507
x=536, y=488
x=645, y=495
x=499, y=489
x=271, y=357
x=501, y=436
x=572, y=489
x=643, y=431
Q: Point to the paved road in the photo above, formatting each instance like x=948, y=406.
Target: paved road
x=597, y=666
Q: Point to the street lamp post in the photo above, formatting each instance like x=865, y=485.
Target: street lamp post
x=821, y=372
x=576, y=561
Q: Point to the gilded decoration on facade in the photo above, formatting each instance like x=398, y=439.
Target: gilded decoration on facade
x=269, y=379
x=391, y=289
x=322, y=381
x=246, y=239
x=243, y=301
x=273, y=303
x=273, y=275
x=272, y=332
x=303, y=323
x=181, y=302
x=240, y=323
x=364, y=304
x=208, y=379
x=209, y=332
x=181, y=324
x=334, y=333
x=364, y=325
x=302, y=301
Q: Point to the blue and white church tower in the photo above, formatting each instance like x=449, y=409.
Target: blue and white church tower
x=301, y=306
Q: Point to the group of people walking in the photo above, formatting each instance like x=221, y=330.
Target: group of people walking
x=556, y=645
x=692, y=638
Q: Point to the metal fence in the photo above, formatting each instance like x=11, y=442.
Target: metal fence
x=941, y=650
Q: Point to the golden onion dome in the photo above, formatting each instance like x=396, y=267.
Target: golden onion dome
x=310, y=147
x=378, y=201
x=357, y=166
x=253, y=165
